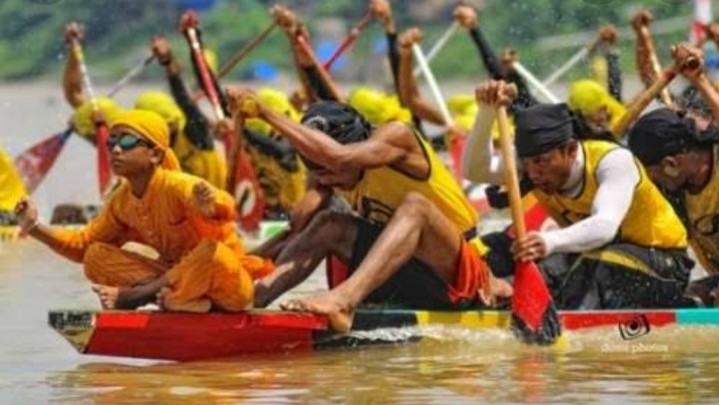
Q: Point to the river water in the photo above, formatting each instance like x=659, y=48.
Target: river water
x=669, y=365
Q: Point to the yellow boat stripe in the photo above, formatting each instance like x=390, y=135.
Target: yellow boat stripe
x=470, y=319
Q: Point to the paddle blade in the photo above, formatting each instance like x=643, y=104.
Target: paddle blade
x=104, y=173
x=534, y=317
x=248, y=194
x=34, y=163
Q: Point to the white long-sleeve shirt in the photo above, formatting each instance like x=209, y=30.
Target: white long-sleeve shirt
x=617, y=176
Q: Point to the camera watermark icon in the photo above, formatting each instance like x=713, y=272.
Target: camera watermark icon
x=634, y=328
x=630, y=330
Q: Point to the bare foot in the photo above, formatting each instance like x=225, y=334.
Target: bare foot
x=497, y=289
x=108, y=295
x=160, y=297
x=339, y=316
x=123, y=297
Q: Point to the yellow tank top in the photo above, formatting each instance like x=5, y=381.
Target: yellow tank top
x=650, y=221
x=381, y=190
x=703, y=213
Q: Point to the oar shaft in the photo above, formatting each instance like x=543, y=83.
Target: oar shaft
x=351, y=38
x=249, y=47
x=87, y=83
x=578, y=56
x=656, y=66
x=441, y=42
x=207, y=83
x=302, y=42
x=534, y=82
x=433, y=87
x=646, y=97
x=510, y=173
x=130, y=75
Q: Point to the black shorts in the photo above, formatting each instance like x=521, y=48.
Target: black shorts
x=415, y=285
x=619, y=276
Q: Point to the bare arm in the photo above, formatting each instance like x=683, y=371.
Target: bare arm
x=72, y=78
x=409, y=94
x=698, y=79
x=479, y=162
x=645, y=48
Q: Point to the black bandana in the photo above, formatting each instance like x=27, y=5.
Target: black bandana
x=541, y=128
x=340, y=121
x=663, y=133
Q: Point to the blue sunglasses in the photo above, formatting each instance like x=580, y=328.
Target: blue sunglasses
x=126, y=141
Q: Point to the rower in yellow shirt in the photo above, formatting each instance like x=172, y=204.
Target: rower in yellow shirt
x=411, y=239
x=200, y=263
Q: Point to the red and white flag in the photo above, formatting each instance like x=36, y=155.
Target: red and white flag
x=702, y=17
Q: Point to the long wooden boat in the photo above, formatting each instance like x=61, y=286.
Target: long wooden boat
x=183, y=337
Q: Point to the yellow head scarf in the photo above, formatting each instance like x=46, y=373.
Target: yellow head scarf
x=462, y=104
x=82, y=119
x=152, y=127
x=588, y=97
x=277, y=102
x=377, y=107
x=162, y=104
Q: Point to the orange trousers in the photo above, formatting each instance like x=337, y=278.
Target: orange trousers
x=210, y=274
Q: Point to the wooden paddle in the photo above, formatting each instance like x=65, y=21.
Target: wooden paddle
x=227, y=67
x=641, y=21
x=304, y=44
x=104, y=173
x=349, y=40
x=204, y=76
x=34, y=163
x=534, y=317
x=646, y=97
x=578, y=56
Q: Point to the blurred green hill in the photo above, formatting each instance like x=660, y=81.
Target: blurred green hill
x=118, y=31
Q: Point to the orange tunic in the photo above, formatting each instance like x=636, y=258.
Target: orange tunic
x=196, y=253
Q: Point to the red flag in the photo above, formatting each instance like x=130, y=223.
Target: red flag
x=248, y=195
x=34, y=163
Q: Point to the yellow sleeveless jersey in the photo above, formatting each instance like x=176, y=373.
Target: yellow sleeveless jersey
x=650, y=221
x=381, y=191
x=703, y=214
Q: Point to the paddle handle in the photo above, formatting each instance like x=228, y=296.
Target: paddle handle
x=534, y=82
x=351, y=38
x=511, y=178
x=249, y=47
x=646, y=97
x=578, y=56
x=441, y=42
x=87, y=83
x=129, y=75
x=433, y=87
x=207, y=83
x=302, y=42
x=656, y=66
